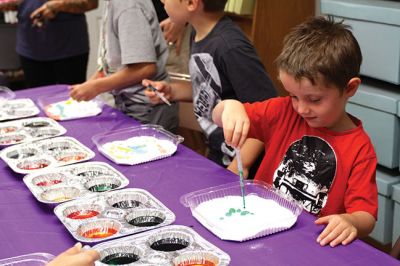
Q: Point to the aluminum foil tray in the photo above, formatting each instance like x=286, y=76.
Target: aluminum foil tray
x=34, y=259
x=220, y=209
x=136, y=145
x=29, y=129
x=74, y=181
x=62, y=107
x=18, y=108
x=113, y=214
x=35, y=156
x=174, y=245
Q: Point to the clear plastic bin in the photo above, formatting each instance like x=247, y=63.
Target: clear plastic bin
x=139, y=144
x=6, y=94
x=34, y=259
x=258, y=194
x=62, y=107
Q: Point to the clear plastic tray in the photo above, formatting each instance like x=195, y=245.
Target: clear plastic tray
x=6, y=94
x=35, y=156
x=65, y=183
x=173, y=245
x=62, y=107
x=220, y=210
x=135, y=145
x=29, y=129
x=34, y=259
x=17, y=108
x=113, y=214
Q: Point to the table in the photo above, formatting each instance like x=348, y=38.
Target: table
x=28, y=226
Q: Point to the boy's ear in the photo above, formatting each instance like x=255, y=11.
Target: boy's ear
x=192, y=4
x=352, y=86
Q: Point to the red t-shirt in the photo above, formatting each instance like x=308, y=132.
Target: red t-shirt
x=328, y=172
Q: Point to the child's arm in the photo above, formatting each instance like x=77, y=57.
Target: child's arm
x=173, y=33
x=232, y=117
x=250, y=151
x=173, y=91
x=9, y=6
x=129, y=75
x=52, y=7
x=344, y=228
x=75, y=256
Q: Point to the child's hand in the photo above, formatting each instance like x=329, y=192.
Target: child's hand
x=173, y=33
x=75, y=256
x=232, y=117
x=163, y=87
x=83, y=92
x=339, y=230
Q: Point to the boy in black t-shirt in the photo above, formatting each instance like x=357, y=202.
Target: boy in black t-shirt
x=223, y=65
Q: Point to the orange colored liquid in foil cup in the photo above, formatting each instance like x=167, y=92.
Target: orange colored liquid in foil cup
x=100, y=233
x=83, y=214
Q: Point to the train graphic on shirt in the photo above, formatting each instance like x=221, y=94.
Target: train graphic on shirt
x=307, y=172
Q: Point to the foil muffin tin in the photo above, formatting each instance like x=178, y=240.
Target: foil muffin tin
x=74, y=181
x=30, y=157
x=113, y=214
x=174, y=245
x=29, y=129
x=136, y=145
x=17, y=108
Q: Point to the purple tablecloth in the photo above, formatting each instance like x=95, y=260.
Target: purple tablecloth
x=28, y=226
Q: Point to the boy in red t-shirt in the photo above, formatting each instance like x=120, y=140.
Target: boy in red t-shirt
x=314, y=150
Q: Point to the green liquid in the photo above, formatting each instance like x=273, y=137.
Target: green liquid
x=120, y=259
x=144, y=221
x=233, y=211
x=169, y=244
x=102, y=187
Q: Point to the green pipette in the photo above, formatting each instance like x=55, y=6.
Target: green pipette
x=240, y=169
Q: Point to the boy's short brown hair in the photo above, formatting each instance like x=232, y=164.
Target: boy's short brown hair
x=321, y=50
x=214, y=5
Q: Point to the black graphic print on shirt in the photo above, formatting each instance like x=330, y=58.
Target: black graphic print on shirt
x=206, y=89
x=307, y=172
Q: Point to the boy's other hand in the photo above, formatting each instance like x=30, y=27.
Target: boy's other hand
x=163, y=87
x=75, y=256
x=83, y=92
x=339, y=230
x=173, y=33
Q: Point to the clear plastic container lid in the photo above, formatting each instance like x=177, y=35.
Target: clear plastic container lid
x=139, y=144
x=63, y=107
x=220, y=209
x=34, y=259
x=6, y=94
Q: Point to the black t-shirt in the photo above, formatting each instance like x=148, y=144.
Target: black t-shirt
x=224, y=65
x=159, y=7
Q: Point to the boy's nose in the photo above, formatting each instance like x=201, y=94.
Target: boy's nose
x=302, y=108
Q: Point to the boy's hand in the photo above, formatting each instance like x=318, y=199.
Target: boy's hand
x=339, y=230
x=173, y=33
x=83, y=92
x=163, y=87
x=234, y=121
x=75, y=256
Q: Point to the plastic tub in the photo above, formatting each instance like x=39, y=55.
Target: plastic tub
x=6, y=94
x=220, y=209
x=62, y=107
x=135, y=145
x=34, y=259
